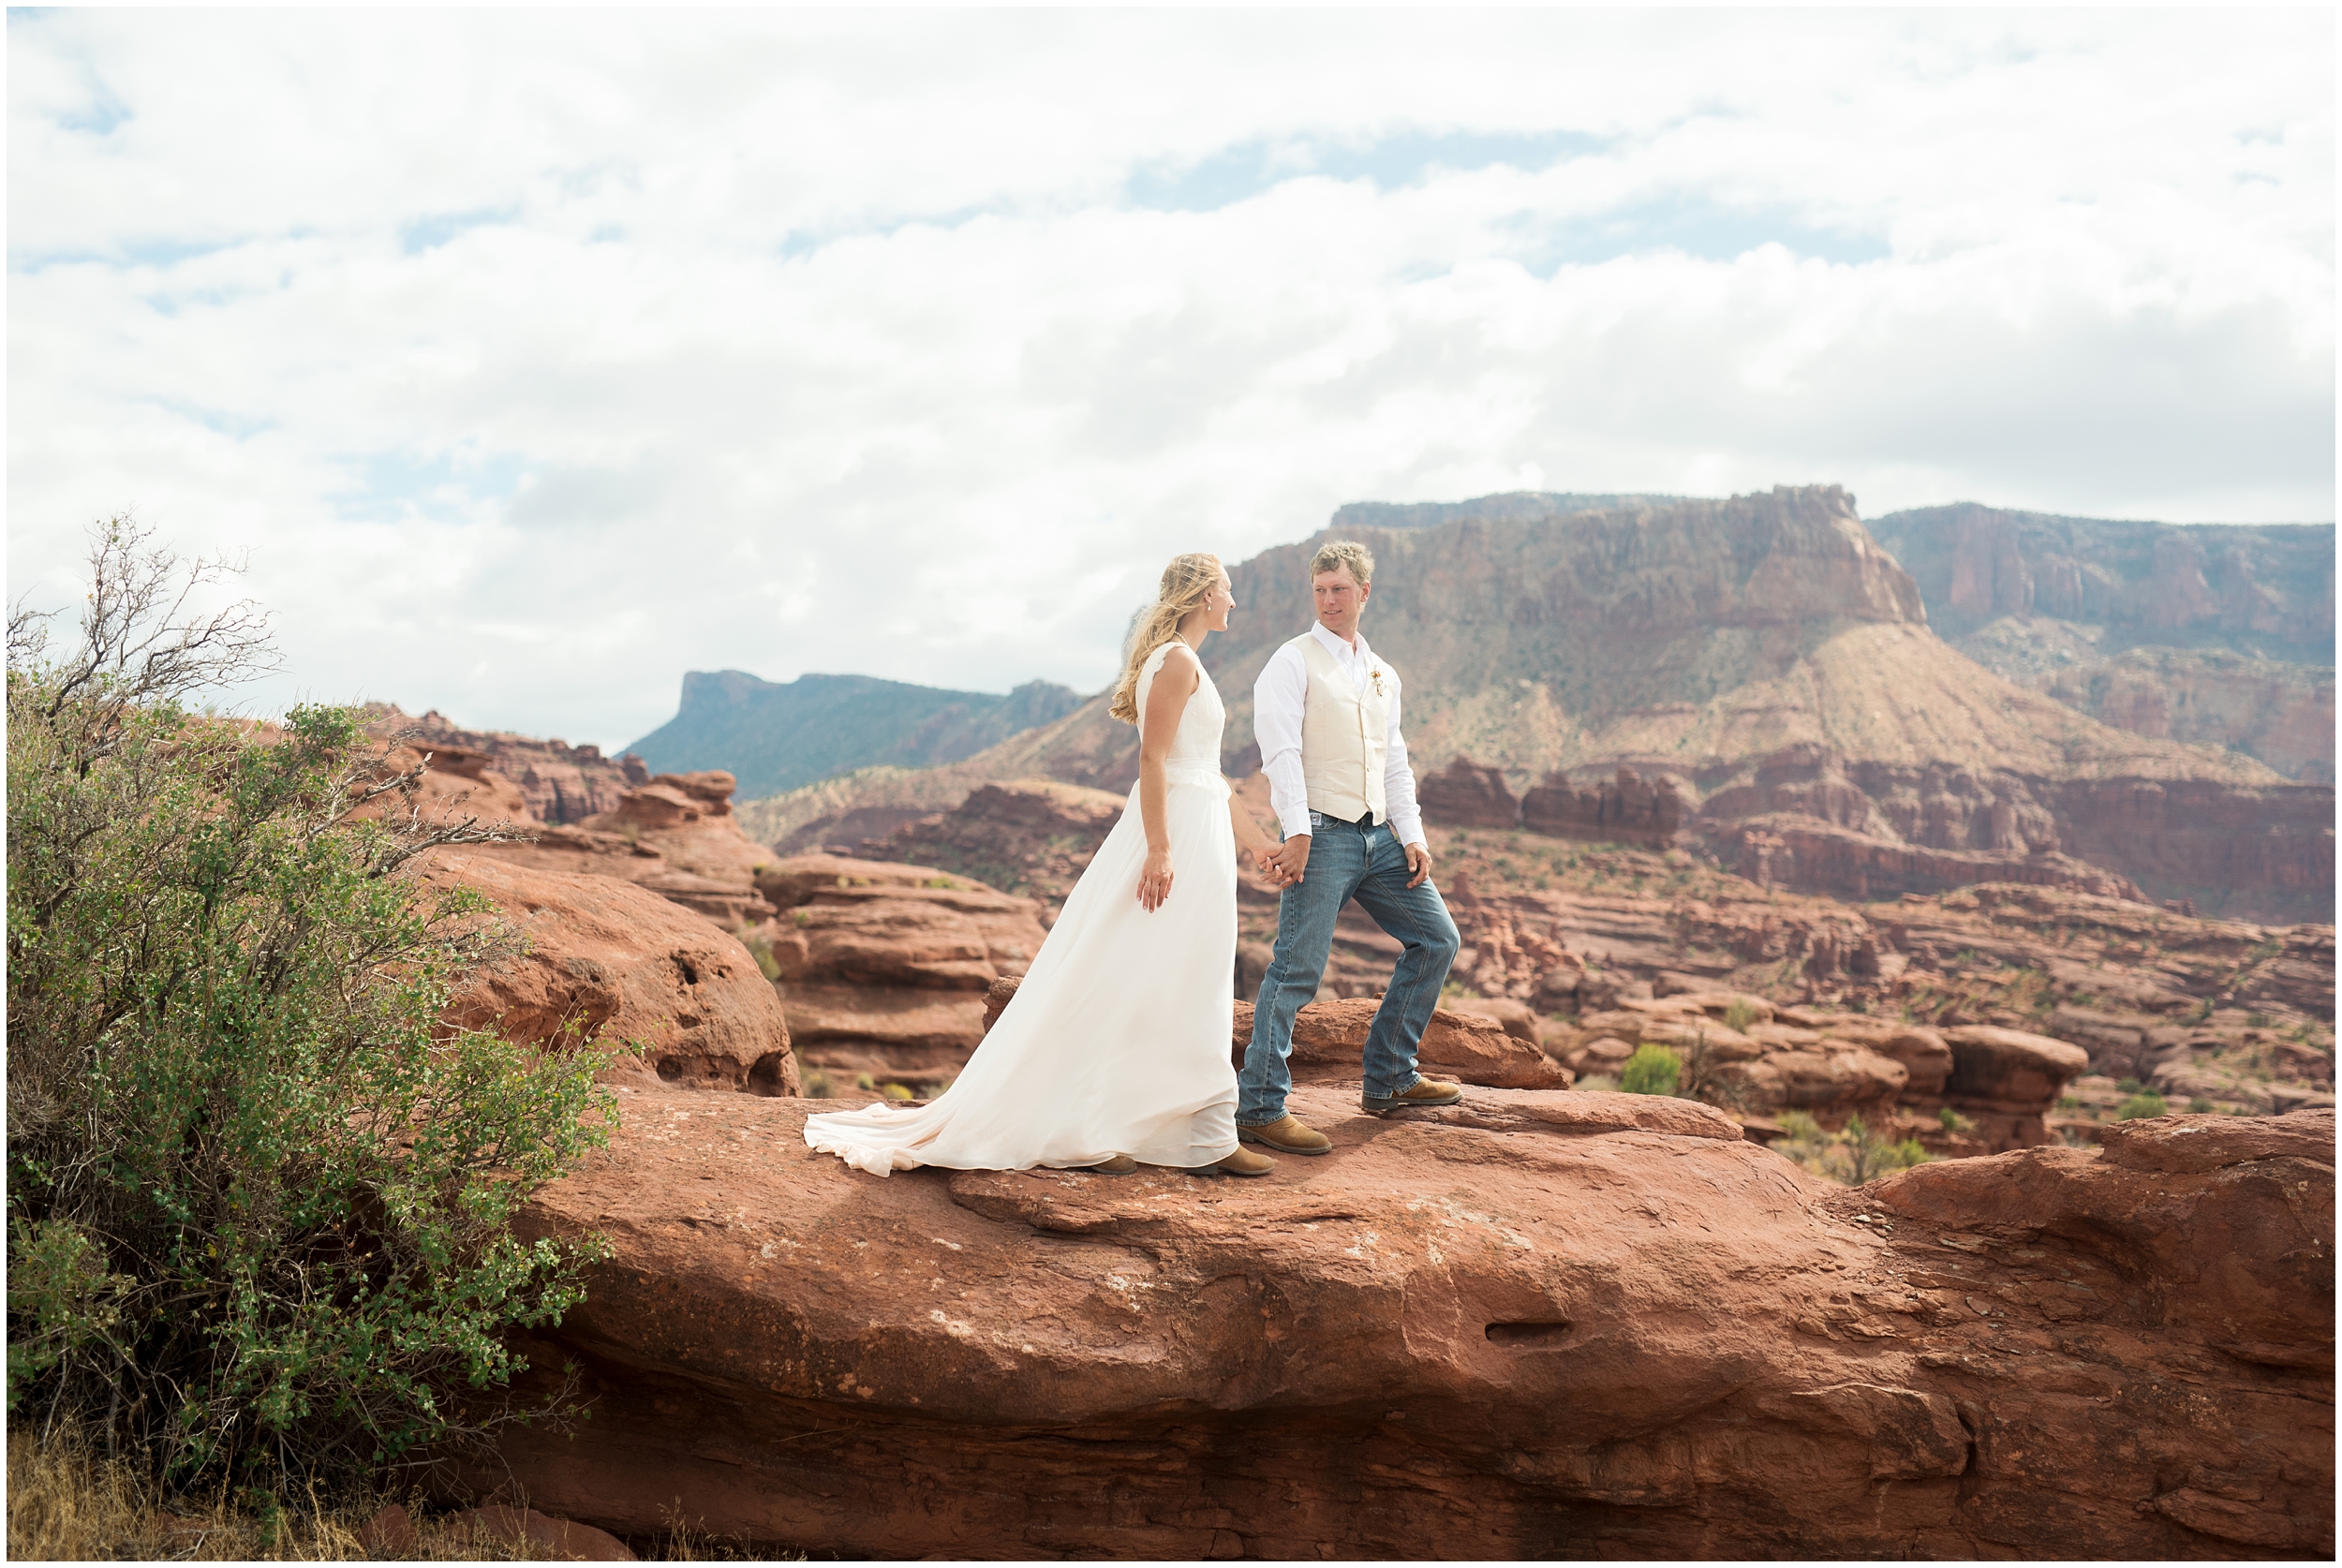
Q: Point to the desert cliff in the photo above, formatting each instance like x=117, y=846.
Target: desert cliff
x=1758, y=658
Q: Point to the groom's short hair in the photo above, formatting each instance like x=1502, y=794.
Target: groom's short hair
x=1344, y=552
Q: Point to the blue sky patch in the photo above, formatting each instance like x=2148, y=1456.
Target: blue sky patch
x=386, y=486
x=429, y=234
x=1392, y=162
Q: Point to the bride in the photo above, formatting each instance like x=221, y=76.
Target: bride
x=1115, y=1051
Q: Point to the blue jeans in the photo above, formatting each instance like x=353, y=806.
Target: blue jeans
x=1347, y=862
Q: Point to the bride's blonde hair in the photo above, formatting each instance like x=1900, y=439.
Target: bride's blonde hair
x=1187, y=583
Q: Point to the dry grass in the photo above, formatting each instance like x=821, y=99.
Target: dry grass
x=69, y=1503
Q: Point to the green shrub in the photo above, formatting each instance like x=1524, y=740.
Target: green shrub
x=1852, y=1157
x=2199, y=1107
x=258, y=1194
x=759, y=950
x=2140, y=1106
x=1652, y=1070
x=2130, y=1085
x=1739, y=1015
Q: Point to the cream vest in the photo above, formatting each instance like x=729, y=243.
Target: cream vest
x=1345, y=735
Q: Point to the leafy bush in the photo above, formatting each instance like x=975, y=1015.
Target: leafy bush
x=1852, y=1156
x=1739, y=1014
x=257, y=1195
x=1652, y=1070
x=2140, y=1106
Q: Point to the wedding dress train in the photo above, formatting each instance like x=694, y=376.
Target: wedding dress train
x=1117, y=1039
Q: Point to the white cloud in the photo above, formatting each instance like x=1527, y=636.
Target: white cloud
x=540, y=357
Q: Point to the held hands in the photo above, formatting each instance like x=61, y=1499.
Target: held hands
x=1290, y=860
x=1154, y=882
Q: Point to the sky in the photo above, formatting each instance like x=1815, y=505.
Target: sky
x=533, y=358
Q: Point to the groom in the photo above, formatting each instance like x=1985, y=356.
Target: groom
x=1326, y=714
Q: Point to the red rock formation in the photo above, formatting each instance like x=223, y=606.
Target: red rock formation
x=627, y=970
x=524, y=1534
x=561, y=783
x=1465, y=795
x=1540, y=1325
x=1032, y=836
x=1625, y=809
x=2263, y=854
x=884, y=967
x=1814, y=857
x=2282, y=713
x=1330, y=1042
x=674, y=834
x=454, y=784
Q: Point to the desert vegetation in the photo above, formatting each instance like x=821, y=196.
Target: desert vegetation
x=259, y=1194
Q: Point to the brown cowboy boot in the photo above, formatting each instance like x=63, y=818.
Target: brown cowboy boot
x=1243, y=1162
x=1287, y=1135
x=1417, y=1096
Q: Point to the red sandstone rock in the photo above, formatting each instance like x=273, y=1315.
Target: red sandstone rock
x=2009, y=1067
x=533, y=1534
x=886, y=965
x=561, y=783
x=628, y=968
x=1466, y=794
x=1816, y=857
x=688, y=817
x=1515, y=1018
x=2282, y=713
x=1539, y=1325
x=1829, y=1084
x=1330, y=1043
x=391, y=1534
x=1625, y=809
x=454, y=784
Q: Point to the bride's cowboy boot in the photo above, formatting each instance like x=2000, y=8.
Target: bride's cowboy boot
x=1416, y=1096
x=1121, y=1164
x=1287, y=1135
x=1243, y=1162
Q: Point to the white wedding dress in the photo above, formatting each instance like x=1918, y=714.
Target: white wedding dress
x=1117, y=1039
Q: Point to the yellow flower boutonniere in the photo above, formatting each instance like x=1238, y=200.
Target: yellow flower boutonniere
x=1378, y=683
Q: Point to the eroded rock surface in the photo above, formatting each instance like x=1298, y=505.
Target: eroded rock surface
x=884, y=967
x=613, y=965
x=1539, y=1325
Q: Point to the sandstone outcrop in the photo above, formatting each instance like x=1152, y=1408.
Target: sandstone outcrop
x=884, y=967
x=1625, y=809
x=1464, y=793
x=2264, y=590
x=675, y=833
x=613, y=965
x=1539, y=1325
x=1786, y=850
x=561, y=783
x=1031, y=835
x=2279, y=713
x=1330, y=1042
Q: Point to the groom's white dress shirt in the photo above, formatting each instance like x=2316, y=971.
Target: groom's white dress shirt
x=1278, y=699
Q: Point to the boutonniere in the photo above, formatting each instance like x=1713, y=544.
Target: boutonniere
x=1377, y=676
